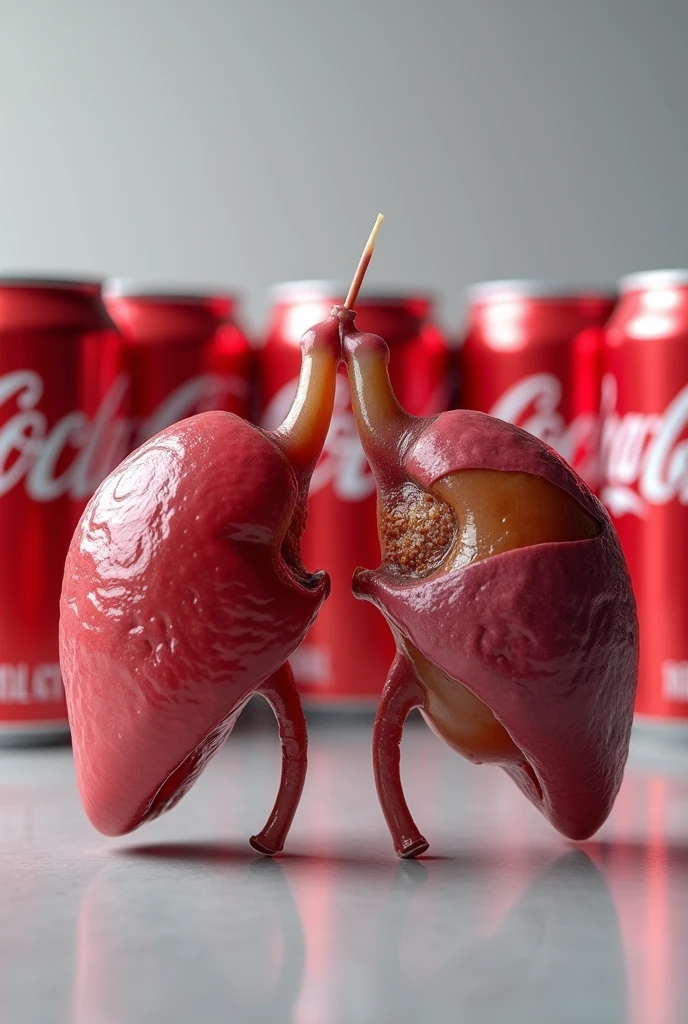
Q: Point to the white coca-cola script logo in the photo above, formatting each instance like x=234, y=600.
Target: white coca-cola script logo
x=202, y=393
x=343, y=464
x=644, y=455
x=71, y=457
x=533, y=404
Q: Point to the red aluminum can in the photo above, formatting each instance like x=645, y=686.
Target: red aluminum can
x=344, y=660
x=645, y=461
x=59, y=369
x=184, y=351
x=531, y=356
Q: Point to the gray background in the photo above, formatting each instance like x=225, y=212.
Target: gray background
x=248, y=142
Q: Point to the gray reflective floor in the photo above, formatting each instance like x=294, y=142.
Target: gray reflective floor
x=503, y=921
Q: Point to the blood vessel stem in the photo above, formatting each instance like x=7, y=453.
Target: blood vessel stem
x=401, y=694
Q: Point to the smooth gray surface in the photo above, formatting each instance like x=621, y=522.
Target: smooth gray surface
x=253, y=142
x=503, y=921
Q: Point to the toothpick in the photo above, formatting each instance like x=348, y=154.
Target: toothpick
x=363, y=265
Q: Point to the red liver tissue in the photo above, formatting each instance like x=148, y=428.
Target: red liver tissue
x=545, y=635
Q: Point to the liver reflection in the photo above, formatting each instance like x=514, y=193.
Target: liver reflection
x=202, y=937
x=557, y=955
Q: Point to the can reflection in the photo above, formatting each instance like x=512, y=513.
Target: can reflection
x=646, y=863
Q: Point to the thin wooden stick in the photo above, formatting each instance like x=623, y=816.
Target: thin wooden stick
x=363, y=265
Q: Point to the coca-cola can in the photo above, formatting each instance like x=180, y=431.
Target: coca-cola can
x=645, y=463
x=344, y=660
x=531, y=355
x=185, y=353
x=59, y=364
